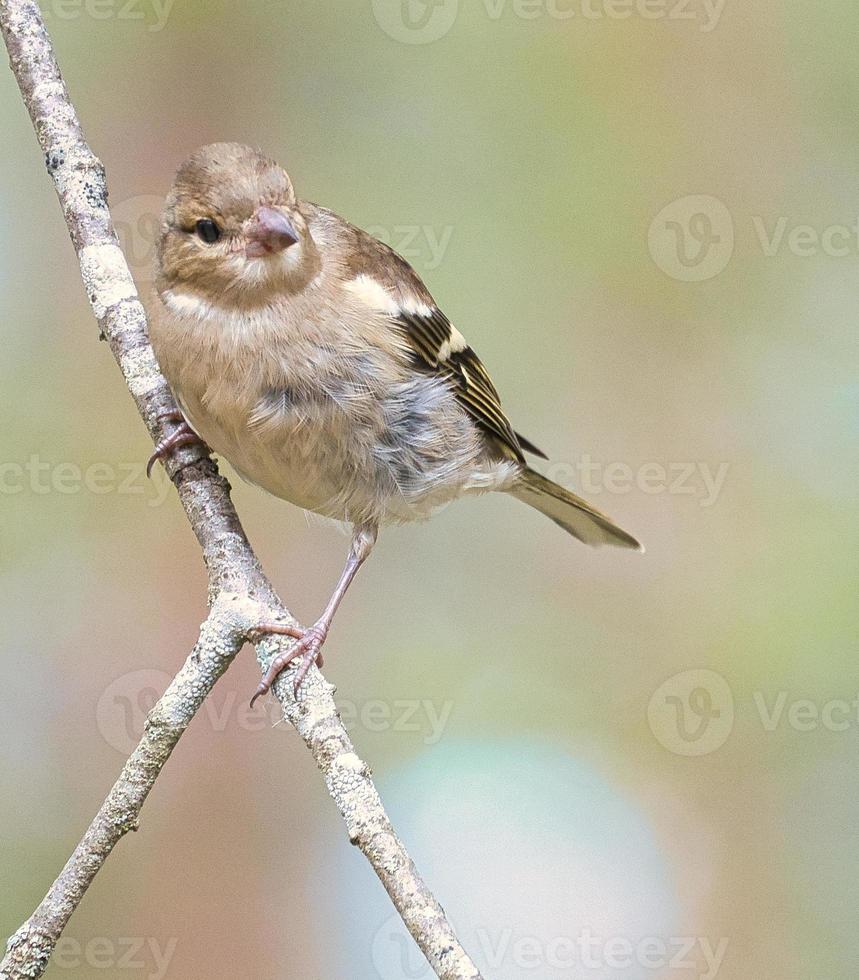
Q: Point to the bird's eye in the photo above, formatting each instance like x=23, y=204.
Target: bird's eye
x=208, y=231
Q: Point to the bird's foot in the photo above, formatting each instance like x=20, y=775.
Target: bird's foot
x=183, y=435
x=308, y=647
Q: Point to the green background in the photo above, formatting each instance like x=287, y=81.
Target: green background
x=524, y=702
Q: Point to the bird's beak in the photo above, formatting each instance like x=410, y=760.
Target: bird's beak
x=269, y=232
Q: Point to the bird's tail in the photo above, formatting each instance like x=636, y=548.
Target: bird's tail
x=572, y=513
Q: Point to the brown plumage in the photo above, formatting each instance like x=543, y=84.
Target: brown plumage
x=313, y=357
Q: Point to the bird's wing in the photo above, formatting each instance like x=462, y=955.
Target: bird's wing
x=387, y=281
x=438, y=346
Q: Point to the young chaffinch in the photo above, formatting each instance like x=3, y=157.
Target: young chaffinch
x=315, y=360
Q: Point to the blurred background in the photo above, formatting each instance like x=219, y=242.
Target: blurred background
x=644, y=214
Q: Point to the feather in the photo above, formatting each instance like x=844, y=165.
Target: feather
x=574, y=515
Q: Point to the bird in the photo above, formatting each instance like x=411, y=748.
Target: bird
x=314, y=359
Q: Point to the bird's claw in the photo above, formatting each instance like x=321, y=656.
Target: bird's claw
x=308, y=647
x=184, y=435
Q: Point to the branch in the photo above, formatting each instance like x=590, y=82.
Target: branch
x=240, y=595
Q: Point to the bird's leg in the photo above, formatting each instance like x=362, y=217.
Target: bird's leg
x=309, y=641
x=184, y=435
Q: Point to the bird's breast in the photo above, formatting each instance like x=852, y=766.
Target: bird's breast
x=346, y=430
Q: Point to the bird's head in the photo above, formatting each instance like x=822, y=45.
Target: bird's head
x=232, y=229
